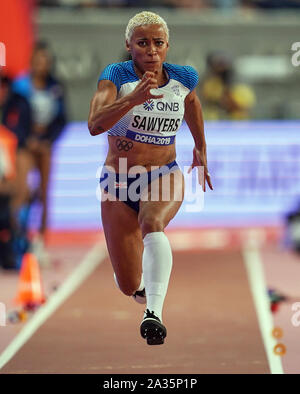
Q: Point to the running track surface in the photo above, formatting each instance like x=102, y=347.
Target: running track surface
x=209, y=314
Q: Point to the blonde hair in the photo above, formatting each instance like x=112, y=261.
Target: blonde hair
x=142, y=19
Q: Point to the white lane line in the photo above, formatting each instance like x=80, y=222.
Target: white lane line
x=90, y=262
x=258, y=287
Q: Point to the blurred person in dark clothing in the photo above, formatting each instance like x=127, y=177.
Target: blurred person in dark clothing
x=222, y=98
x=269, y=4
x=190, y=4
x=15, y=111
x=8, y=142
x=15, y=115
x=46, y=97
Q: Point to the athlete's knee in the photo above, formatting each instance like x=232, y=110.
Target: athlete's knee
x=128, y=287
x=150, y=224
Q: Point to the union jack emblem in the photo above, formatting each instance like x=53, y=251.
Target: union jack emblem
x=176, y=90
x=149, y=105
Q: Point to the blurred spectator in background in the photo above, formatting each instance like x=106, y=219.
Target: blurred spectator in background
x=191, y=4
x=275, y=3
x=15, y=114
x=7, y=257
x=15, y=111
x=46, y=97
x=221, y=97
x=8, y=143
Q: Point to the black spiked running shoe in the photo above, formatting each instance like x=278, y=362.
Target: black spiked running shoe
x=152, y=329
x=140, y=296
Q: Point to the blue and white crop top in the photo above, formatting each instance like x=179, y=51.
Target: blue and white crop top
x=157, y=120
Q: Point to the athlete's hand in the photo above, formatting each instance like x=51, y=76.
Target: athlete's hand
x=200, y=160
x=142, y=92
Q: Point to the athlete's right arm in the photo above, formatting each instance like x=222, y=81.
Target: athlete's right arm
x=106, y=109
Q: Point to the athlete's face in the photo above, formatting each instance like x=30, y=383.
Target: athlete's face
x=148, y=47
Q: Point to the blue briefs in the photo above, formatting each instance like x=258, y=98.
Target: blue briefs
x=128, y=187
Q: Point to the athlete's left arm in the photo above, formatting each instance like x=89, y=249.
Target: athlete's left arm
x=194, y=119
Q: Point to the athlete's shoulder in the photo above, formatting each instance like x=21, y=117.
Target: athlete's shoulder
x=187, y=75
x=119, y=73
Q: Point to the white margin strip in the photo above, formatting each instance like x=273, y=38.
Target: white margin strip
x=90, y=262
x=253, y=263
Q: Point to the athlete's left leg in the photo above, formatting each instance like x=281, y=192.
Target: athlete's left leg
x=154, y=216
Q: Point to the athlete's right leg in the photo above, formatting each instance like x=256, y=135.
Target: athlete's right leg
x=124, y=242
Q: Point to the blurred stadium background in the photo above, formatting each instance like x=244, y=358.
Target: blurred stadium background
x=254, y=159
x=87, y=35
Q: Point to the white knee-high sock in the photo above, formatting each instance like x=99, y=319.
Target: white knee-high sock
x=157, y=265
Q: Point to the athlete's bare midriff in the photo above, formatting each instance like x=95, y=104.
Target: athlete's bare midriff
x=138, y=154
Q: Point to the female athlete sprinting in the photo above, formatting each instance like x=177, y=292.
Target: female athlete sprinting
x=141, y=103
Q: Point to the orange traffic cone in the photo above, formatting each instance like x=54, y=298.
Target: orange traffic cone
x=30, y=293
